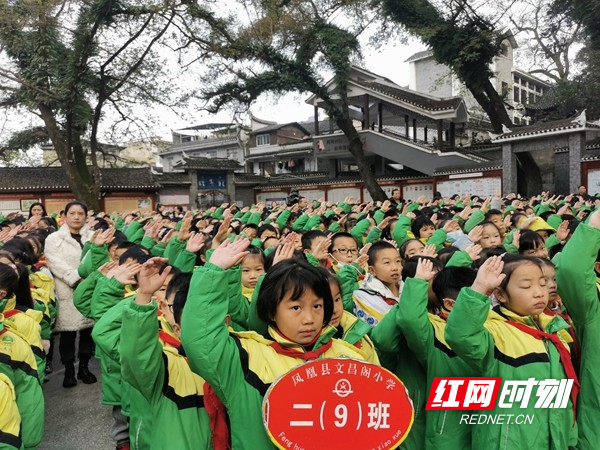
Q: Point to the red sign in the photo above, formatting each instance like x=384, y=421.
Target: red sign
x=337, y=403
x=466, y=393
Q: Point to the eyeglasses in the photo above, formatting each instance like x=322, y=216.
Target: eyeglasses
x=345, y=251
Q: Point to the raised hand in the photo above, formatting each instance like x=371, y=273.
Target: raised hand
x=384, y=223
x=516, y=240
x=563, y=231
x=125, y=273
x=365, y=249
x=223, y=230
x=474, y=251
x=195, y=242
x=322, y=250
x=451, y=225
x=284, y=251
x=150, y=279
x=425, y=270
x=429, y=250
x=105, y=268
x=489, y=275
x=476, y=233
x=104, y=237
x=362, y=260
x=228, y=254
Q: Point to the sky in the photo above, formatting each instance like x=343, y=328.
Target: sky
x=389, y=62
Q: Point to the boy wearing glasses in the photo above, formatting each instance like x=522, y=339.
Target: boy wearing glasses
x=343, y=250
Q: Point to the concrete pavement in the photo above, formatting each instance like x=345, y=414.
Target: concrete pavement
x=75, y=419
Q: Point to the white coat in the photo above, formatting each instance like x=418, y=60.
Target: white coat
x=63, y=254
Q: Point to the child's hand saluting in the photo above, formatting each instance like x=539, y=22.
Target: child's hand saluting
x=425, y=270
x=489, y=275
x=228, y=254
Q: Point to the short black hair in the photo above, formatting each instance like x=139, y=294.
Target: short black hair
x=266, y=227
x=450, y=280
x=375, y=249
x=409, y=268
x=419, y=223
x=309, y=237
x=137, y=253
x=292, y=277
x=338, y=235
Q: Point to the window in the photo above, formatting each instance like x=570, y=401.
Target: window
x=263, y=139
x=516, y=94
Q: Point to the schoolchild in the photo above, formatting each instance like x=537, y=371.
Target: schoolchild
x=516, y=341
x=314, y=245
x=17, y=362
x=19, y=315
x=490, y=235
x=382, y=286
x=253, y=266
x=342, y=250
x=295, y=300
x=577, y=278
x=349, y=328
x=423, y=325
x=532, y=244
x=10, y=419
x=160, y=371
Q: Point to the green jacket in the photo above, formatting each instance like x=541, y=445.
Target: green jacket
x=424, y=334
x=18, y=364
x=82, y=296
x=107, y=336
x=396, y=356
x=495, y=349
x=577, y=287
x=240, y=367
x=92, y=260
x=162, y=375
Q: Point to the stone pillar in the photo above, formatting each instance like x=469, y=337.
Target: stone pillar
x=415, y=130
x=316, y=120
x=380, y=116
x=509, y=170
x=576, y=150
x=440, y=134
x=366, y=113
x=452, y=134
x=230, y=187
x=406, y=125
x=193, y=174
x=425, y=134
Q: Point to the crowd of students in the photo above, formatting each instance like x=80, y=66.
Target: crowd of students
x=193, y=316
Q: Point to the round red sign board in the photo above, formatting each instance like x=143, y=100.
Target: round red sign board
x=337, y=403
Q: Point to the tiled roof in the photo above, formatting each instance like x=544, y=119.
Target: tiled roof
x=547, y=127
x=413, y=97
x=173, y=178
x=547, y=101
x=491, y=165
x=53, y=178
x=420, y=55
x=324, y=179
x=278, y=126
x=208, y=163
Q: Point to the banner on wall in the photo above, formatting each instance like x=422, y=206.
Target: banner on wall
x=483, y=187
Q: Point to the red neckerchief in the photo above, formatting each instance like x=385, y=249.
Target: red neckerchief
x=218, y=419
x=12, y=312
x=565, y=356
x=390, y=301
x=306, y=356
x=576, y=353
x=168, y=339
x=443, y=316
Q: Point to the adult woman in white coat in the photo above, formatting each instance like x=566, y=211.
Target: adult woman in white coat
x=63, y=253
